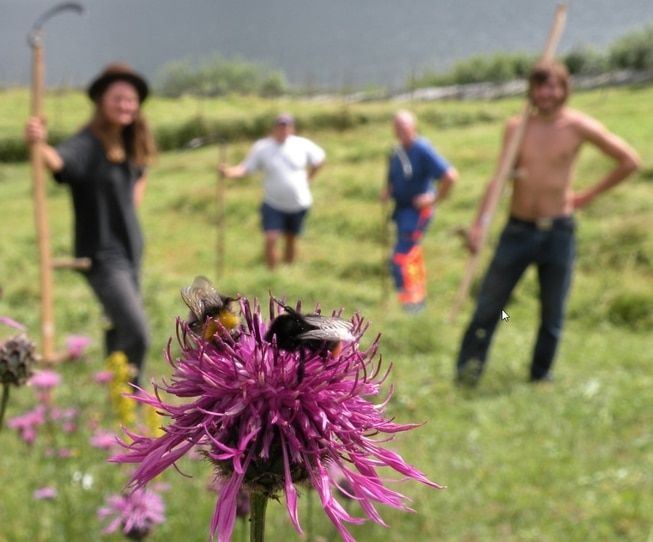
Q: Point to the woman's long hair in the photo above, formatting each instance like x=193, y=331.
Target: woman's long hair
x=134, y=143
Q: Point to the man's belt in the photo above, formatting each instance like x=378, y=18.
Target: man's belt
x=545, y=224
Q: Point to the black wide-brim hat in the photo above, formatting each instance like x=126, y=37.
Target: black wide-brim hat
x=118, y=71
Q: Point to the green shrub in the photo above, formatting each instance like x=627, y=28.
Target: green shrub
x=219, y=77
x=586, y=61
x=634, y=51
x=497, y=68
x=273, y=86
x=14, y=149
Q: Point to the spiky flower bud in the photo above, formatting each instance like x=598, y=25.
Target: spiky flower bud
x=17, y=359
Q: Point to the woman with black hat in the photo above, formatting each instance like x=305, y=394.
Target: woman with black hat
x=104, y=165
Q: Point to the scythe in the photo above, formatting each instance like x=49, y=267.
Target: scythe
x=34, y=39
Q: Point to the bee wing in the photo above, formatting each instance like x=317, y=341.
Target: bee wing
x=203, y=285
x=328, y=329
x=201, y=295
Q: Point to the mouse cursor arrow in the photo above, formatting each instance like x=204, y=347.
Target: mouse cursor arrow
x=505, y=316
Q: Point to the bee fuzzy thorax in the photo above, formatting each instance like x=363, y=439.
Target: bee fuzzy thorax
x=210, y=311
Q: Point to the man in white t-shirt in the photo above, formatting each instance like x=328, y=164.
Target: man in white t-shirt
x=289, y=163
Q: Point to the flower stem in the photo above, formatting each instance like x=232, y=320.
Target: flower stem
x=5, y=400
x=259, y=503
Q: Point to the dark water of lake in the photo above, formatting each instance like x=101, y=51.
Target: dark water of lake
x=328, y=43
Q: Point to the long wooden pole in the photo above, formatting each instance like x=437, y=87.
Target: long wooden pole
x=386, y=256
x=40, y=210
x=506, y=166
x=385, y=252
x=220, y=218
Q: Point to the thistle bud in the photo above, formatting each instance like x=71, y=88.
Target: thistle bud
x=17, y=359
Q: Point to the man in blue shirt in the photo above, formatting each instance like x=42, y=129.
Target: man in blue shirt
x=413, y=169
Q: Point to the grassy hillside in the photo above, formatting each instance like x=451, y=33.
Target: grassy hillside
x=570, y=462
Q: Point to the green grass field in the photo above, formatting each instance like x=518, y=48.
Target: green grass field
x=567, y=462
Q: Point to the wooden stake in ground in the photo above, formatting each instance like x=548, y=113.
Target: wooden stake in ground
x=221, y=193
x=38, y=178
x=506, y=166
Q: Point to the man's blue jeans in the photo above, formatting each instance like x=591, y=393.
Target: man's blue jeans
x=550, y=246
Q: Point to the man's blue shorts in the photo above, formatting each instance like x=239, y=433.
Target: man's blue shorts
x=275, y=220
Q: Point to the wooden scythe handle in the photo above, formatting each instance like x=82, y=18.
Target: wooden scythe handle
x=42, y=230
x=506, y=165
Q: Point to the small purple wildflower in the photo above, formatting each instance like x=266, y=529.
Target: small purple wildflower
x=135, y=513
x=44, y=383
x=76, y=345
x=103, y=377
x=104, y=439
x=27, y=423
x=45, y=493
x=66, y=417
x=267, y=432
x=45, y=380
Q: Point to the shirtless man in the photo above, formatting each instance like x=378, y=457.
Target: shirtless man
x=541, y=226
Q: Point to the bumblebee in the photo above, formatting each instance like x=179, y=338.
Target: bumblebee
x=207, y=308
x=321, y=335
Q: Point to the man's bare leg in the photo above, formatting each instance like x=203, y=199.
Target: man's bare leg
x=271, y=249
x=291, y=248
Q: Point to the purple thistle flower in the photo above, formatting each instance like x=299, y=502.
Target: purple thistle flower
x=266, y=431
x=136, y=513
